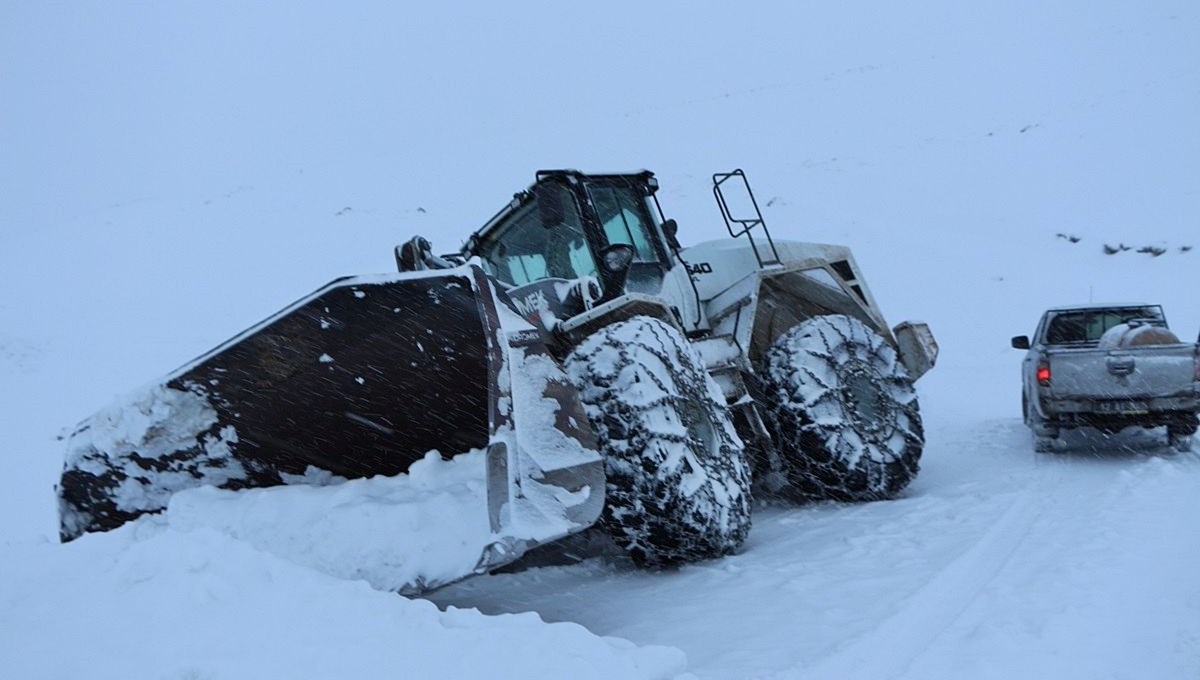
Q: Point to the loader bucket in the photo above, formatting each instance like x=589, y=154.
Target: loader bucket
x=361, y=378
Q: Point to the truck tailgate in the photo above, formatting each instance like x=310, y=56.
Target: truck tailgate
x=1134, y=372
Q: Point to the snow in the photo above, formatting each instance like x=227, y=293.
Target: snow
x=149, y=602
x=152, y=424
x=406, y=532
x=536, y=429
x=995, y=564
x=175, y=173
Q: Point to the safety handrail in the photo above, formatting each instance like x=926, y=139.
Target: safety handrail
x=744, y=225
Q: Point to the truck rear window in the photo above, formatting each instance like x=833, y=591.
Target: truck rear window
x=1086, y=326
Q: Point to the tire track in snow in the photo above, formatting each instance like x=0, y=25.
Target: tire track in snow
x=1102, y=574
x=1072, y=506
x=934, y=607
x=990, y=556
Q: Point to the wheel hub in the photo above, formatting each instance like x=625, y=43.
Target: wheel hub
x=699, y=428
x=866, y=399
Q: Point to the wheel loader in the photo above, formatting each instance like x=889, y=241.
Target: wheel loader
x=604, y=374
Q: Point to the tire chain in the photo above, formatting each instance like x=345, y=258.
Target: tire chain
x=634, y=490
x=819, y=457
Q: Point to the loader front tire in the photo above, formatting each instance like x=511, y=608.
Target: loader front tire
x=844, y=410
x=678, y=485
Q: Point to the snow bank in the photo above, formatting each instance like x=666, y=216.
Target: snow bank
x=405, y=532
x=146, y=601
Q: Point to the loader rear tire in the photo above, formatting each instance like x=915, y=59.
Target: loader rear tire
x=678, y=479
x=844, y=410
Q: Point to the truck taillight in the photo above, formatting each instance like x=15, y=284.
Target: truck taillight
x=1043, y=373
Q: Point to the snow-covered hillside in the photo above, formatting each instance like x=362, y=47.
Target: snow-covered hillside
x=173, y=173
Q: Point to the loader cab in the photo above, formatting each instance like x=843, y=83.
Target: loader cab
x=563, y=226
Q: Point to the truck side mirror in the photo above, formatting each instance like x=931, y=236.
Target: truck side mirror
x=551, y=211
x=1020, y=342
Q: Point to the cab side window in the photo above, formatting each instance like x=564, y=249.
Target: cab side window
x=623, y=217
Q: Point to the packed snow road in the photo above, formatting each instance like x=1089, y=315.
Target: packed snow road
x=998, y=562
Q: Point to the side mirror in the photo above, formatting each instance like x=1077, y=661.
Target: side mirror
x=1020, y=342
x=551, y=211
x=671, y=228
x=615, y=261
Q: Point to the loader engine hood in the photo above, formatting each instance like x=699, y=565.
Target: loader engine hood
x=719, y=266
x=756, y=301
x=730, y=259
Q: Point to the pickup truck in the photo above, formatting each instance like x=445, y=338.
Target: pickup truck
x=1109, y=367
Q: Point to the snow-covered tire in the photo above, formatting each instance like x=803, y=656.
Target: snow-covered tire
x=1180, y=433
x=844, y=411
x=1039, y=425
x=678, y=479
x=1045, y=436
x=1044, y=444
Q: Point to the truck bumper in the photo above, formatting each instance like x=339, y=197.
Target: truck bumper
x=1179, y=412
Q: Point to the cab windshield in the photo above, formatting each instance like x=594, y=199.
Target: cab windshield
x=523, y=250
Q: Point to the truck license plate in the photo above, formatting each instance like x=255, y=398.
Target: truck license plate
x=1122, y=407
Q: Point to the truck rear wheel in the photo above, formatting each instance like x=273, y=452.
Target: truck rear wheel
x=1045, y=437
x=1180, y=442
x=678, y=479
x=844, y=410
x=1179, y=434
